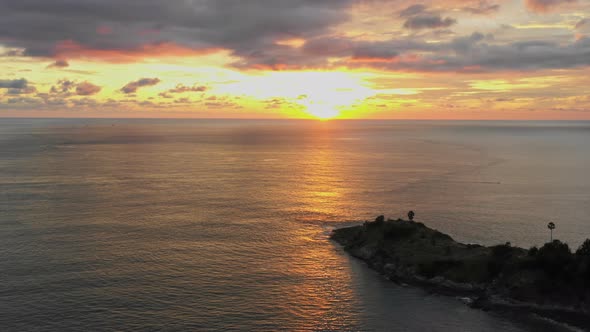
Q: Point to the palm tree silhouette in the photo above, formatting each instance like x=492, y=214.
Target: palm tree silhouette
x=551, y=227
x=411, y=215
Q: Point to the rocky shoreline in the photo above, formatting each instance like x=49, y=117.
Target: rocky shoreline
x=499, y=278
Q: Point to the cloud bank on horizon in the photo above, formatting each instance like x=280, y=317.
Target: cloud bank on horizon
x=287, y=58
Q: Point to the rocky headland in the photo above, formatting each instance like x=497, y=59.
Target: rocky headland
x=551, y=281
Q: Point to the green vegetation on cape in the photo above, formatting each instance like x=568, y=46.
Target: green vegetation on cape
x=550, y=281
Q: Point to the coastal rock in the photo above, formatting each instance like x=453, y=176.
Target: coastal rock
x=490, y=278
x=365, y=252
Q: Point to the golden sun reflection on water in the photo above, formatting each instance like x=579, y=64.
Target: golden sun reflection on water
x=321, y=177
x=322, y=288
x=322, y=276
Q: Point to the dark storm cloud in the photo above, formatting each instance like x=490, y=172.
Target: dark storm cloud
x=17, y=87
x=483, y=8
x=420, y=17
x=131, y=25
x=13, y=84
x=66, y=88
x=545, y=5
x=132, y=87
x=476, y=53
x=462, y=45
x=87, y=89
x=523, y=55
x=470, y=53
x=316, y=52
x=60, y=63
x=328, y=46
x=24, y=91
x=180, y=88
x=413, y=10
x=373, y=52
x=12, y=53
x=63, y=86
x=428, y=21
x=250, y=30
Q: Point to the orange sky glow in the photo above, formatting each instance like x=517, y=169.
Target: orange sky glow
x=378, y=59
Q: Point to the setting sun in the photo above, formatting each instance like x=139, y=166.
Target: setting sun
x=322, y=112
x=320, y=94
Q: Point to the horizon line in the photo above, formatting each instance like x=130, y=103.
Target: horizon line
x=280, y=119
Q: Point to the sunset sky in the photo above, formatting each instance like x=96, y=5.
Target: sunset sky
x=447, y=59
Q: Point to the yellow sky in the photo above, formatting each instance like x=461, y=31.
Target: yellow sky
x=415, y=60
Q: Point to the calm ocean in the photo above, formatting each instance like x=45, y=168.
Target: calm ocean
x=221, y=225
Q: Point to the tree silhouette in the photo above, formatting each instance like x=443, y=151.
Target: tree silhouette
x=554, y=257
x=411, y=215
x=551, y=227
x=584, y=249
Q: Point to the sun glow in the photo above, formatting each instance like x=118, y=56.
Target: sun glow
x=322, y=111
x=320, y=94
